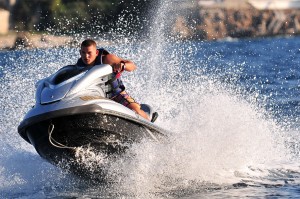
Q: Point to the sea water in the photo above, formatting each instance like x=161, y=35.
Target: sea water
x=231, y=106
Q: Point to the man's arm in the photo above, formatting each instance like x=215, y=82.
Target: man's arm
x=117, y=63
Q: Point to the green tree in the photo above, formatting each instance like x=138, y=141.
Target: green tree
x=79, y=16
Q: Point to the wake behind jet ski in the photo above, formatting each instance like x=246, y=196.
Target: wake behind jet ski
x=73, y=110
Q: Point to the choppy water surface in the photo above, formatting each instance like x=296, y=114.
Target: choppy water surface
x=232, y=108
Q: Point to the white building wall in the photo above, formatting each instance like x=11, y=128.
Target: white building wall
x=4, y=21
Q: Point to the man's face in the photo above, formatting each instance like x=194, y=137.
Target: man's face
x=89, y=54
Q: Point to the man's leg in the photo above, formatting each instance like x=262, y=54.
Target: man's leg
x=137, y=108
x=129, y=102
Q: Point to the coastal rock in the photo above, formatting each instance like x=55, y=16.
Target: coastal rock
x=218, y=23
x=23, y=40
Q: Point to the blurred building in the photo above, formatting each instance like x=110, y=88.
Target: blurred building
x=258, y=4
x=5, y=9
x=4, y=22
x=275, y=4
x=227, y=4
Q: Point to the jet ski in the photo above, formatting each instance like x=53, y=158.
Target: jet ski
x=73, y=110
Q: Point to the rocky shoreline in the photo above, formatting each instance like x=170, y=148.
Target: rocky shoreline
x=26, y=40
x=219, y=23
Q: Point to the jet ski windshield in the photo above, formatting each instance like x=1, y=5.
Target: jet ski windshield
x=73, y=79
x=65, y=73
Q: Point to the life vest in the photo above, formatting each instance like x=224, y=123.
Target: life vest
x=115, y=82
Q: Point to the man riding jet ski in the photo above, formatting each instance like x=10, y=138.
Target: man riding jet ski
x=91, y=56
x=85, y=106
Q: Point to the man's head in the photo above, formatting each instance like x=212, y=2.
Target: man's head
x=88, y=52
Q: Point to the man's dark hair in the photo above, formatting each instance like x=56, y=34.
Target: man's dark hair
x=88, y=42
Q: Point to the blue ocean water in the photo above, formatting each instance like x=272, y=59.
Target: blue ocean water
x=232, y=107
x=269, y=66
